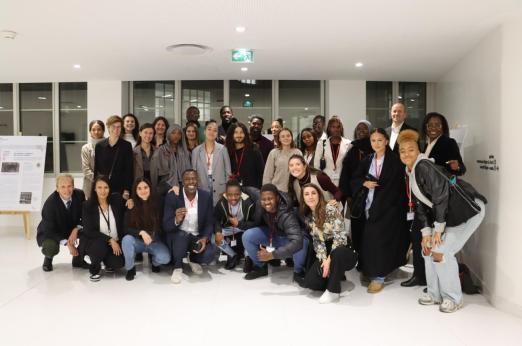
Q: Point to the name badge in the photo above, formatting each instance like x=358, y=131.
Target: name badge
x=410, y=216
x=270, y=249
x=233, y=243
x=335, y=176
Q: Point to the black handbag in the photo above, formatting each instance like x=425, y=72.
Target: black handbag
x=359, y=200
x=322, y=162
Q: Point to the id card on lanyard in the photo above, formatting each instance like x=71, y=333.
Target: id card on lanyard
x=271, y=232
x=410, y=215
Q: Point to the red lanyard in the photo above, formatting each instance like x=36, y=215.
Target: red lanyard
x=209, y=158
x=271, y=229
x=239, y=161
x=335, y=154
x=378, y=169
x=408, y=192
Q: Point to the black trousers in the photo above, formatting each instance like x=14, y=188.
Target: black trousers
x=419, y=269
x=99, y=251
x=179, y=244
x=342, y=259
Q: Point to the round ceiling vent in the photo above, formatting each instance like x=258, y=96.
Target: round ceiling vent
x=189, y=49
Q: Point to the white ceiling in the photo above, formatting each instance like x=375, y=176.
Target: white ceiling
x=293, y=39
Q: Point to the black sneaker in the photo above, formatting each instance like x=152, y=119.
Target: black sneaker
x=109, y=270
x=131, y=273
x=257, y=272
x=247, y=266
x=95, y=277
x=299, y=278
x=275, y=262
x=78, y=262
x=232, y=262
x=289, y=262
x=47, y=265
x=155, y=269
x=138, y=257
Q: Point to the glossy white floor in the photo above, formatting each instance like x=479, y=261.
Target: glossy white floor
x=64, y=308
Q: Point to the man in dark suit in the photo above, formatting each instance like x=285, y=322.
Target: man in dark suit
x=188, y=220
x=61, y=222
x=398, y=116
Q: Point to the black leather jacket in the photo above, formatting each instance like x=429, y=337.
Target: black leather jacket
x=436, y=188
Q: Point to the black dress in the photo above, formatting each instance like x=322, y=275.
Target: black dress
x=116, y=162
x=385, y=234
x=444, y=150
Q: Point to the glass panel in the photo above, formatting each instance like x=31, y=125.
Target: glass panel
x=413, y=95
x=207, y=95
x=153, y=99
x=73, y=125
x=6, y=110
x=249, y=97
x=378, y=103
x=299, y=102
x=36, y=115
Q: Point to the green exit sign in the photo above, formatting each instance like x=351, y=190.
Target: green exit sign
x=243, y=55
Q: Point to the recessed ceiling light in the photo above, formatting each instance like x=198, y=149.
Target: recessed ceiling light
x=244, y=69
x=9, y=34
x=78, y=106
x=42, y=98
x=247, y=95
x=359, y=64
x=189, y=49
x=77, y=66
x=306, y=108
x=240, y=28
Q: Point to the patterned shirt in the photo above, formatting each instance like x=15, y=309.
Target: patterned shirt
x=333, y=229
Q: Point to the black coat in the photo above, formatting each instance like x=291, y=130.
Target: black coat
x=221, y=214
x=118, y=158
x=385, y=237
x=444, y=150
x=57, y=223
x=91, y=217
x=359, y=150
x=251, y=169
x=404, y=127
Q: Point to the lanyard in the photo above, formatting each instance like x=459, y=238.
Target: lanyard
x=335, y=154
x=107, y=219
x=209, y=158
x=378, y=169
x=270, y=229
x=192, y=203
x=233, y=216
x=408, y=192
x=239, y=161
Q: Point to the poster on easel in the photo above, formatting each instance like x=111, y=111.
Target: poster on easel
x=22, y=161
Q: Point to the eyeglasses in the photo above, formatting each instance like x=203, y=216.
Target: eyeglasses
x=434, y=126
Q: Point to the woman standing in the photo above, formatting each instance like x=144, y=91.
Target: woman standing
x=440, y=146
x=302, y=174
x=211, y=162
x=385, y=236
x=143, y=152
x=143, y=230
x=191, y=136
x=171, y=160
x=102, y=229
x=246, y=160
x=276, y=167
x=277, y=125
x=113, y=158
x=332, y=150
x=160, y=125
x=446, y=223
x=130, y=129
x=333, y=257
x=308, y=145
x=96, y=130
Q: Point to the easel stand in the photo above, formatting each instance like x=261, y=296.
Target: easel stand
x=27, y=220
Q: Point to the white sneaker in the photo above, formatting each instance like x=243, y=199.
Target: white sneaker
x=450, y=306
x=176, y=276
x=426, y=299
x=196, y=268
x=328, y=297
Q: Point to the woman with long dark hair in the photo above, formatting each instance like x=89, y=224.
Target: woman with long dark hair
x=191, y=135
x=447, y=212
x=308, y=144
x=143, y=229
x=130, y=129
x=385, y=236
x=329, y=237
x=143, y=152
x=160, y=124
x=246, y=161
x=96, y=131
x=102, y=217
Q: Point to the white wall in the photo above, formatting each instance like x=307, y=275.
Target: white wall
x=483, y=91
x=104, y=98
x=347, y=99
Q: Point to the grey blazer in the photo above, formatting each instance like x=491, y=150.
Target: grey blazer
x=220, y=169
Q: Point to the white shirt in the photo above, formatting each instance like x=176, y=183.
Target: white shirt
x=394, y=134
x=430, y=146
x=104, y=227
x=190, y=222
x=65, y=201
x=323, y=137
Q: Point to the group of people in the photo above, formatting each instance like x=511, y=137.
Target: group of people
x=324, y=206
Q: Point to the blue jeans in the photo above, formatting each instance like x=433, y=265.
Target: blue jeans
x=443, y=277
x=225, y=247
x=131, y=245
x=256, y=236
